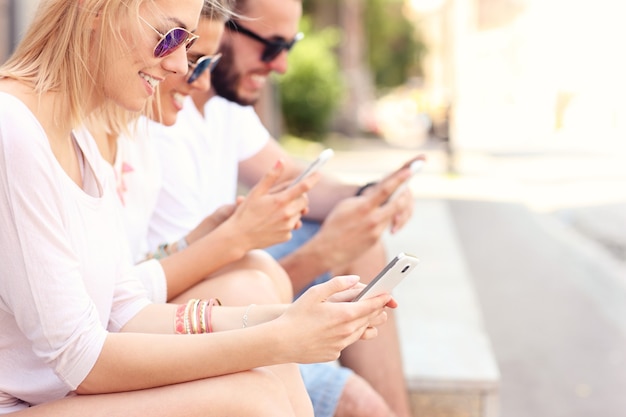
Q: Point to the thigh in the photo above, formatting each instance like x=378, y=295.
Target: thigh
x=255, y=393
x=236, y=287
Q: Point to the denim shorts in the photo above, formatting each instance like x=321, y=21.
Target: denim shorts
x=324, y=383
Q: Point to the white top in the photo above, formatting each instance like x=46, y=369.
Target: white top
x=200, y=160
x=138, y=177
x=65, y=279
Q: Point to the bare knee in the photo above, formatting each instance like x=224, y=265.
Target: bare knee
x=359, y=399
x=269, y=394
x=249, y=286
x=264, y=262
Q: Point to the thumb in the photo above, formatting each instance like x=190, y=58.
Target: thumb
x=333, y=286
x=269, y=179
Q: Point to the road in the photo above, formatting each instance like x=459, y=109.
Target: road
x=556, y=316
x=544, y=238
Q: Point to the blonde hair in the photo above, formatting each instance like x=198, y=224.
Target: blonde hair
x=218, y=10
x=59, y=54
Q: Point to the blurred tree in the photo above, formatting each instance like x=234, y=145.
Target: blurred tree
x=395, y=47
x=312, y=88
x=330, y=83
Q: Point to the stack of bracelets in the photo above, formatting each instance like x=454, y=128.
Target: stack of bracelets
x=195, y=316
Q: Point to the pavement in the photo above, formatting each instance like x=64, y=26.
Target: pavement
x=543, y=238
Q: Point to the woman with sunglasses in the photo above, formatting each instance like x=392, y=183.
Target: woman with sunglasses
x=78, y=337
x=217, y=258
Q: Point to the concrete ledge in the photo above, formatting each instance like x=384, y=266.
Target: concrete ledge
x=448, y=359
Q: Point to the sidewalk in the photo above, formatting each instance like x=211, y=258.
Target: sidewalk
x=538, y=241
x=449, y=364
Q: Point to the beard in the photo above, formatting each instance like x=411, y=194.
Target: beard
x=225, y=80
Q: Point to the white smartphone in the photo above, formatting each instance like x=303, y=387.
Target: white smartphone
x=395, y=271
x=323, y=157
x=414, y=168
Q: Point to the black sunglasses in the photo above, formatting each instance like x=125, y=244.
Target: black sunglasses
x=207, y=62
x=273, y=47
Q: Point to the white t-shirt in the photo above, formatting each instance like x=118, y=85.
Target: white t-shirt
x=65, y=269
x=138, y=180
x=138, y=175
x=200, y=161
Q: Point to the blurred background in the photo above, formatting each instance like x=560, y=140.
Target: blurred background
x=520, y=107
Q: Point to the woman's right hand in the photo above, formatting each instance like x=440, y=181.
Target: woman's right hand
x=318, y=329
x=266, y=216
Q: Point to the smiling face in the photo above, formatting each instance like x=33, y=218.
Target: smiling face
x=175, y=88
x=131, y=80
x=242, y=74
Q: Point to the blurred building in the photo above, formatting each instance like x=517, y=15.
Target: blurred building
x=527, y=74
x=14, y=16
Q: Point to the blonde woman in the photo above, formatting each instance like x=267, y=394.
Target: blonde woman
x=78, y=337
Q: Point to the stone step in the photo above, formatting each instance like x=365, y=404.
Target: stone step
x=450, y=366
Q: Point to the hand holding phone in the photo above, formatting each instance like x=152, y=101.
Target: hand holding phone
x=415, y=167
x=323, y=157
x=390, y=276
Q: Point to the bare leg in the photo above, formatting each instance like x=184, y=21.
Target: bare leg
x=387, y=375
x=360, y=399
x=256, y=278
x=258, y=393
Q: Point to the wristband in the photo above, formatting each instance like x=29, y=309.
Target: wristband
x=362, y=189
x=181, y=244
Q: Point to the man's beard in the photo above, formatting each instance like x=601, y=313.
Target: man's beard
x=225, y=80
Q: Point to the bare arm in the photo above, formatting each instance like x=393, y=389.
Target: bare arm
x=352, y=227
x=322, y=197
x=310, y=330
x=262, y=219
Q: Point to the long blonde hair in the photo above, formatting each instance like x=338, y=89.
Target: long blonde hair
x=58, y=54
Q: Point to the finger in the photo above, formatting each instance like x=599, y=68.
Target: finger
x=383, y=190
x=392, y=303
x=378, y=320
x=369, y=333
x=415, y=158
x=269, y=179
x=400, y=172
x=322, y=292
x=303, y=186
x=404, y=212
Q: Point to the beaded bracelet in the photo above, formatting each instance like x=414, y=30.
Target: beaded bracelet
x=165, y=249
x=194, y=317
x=181, y=244
x=244, y=319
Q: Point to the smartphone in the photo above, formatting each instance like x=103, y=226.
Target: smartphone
x=395, y=271
x=415, y=167
x=323, y=157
